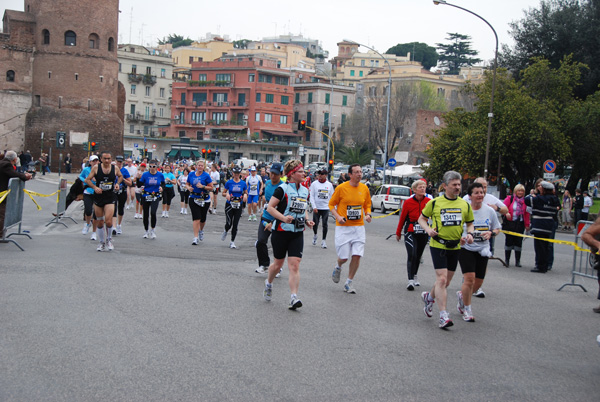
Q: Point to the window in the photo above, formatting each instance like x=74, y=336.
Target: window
x=10, y=76
x=297, y=98
x=182, y=118
x=343, y=120
x=183, y=99
x=241, y=99
x=133, y=89
x=45, y=37
x=344, y=100
x=282, y=80
x=283, y=119
x=285, y=100
x=161, y=112
x=131, y=129
x=70, y=38
x=265, y=78
x=147, y=113
x=295, y=117
x=362, y=63
x=133, y=69
x=268, y=117
x=111, y=45
x=132, y=110
x=310, y=97
x=257, y=117
x=163, y=73
x=147, y=91
x=223, y=77
x=351, y=73
x=220, y=116
x=120, y=67
x=148, y=70
x=269, y=98
x=146, y=130
x=258, y=96
x=309, y=118
x=198, y=117
x=251, y=77
x=307, y=135
x=219, y=97
x=191, y=59
x=441, y=92
x=94, y=41
x=161, y=92
x=199, y=98
x=326, y=119
x=181, y=134
x=360, y=73
x=327, y=99
x=376, y=63
x=201, y=77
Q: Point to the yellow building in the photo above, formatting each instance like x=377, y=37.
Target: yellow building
x=287, y=55
x=200, y=51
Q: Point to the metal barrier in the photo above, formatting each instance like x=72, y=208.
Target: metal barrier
x=14, y=211
x=61, y=205
x=582, y=261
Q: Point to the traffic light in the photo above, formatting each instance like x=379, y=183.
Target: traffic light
x=330, y=165
x=301, y=125
x=93, y=145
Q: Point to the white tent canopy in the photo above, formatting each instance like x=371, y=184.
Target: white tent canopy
x=405, y=171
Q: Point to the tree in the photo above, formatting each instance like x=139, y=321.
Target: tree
x=358, y=153
x=457, y=53
x=241, y=44
x=419, y=51
x=175, y=40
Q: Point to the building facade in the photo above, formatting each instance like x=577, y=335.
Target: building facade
x=147, y=79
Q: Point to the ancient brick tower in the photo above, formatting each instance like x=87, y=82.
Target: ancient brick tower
x=73, y=69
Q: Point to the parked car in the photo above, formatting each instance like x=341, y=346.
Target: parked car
x=389, y=196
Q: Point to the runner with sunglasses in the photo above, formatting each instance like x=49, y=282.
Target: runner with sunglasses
x=199, y=184
x=151, y=186
x=236, y=192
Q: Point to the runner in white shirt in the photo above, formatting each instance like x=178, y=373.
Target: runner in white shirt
x=254, y=183
x=132, y=169
x=216, y=179
x=321, y=191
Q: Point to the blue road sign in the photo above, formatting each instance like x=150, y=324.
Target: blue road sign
x=135, y=145
x=392, y=162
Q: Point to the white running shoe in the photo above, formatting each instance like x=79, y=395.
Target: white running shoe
x=416, y=281
x=262, y=270
x=428, y=304
x=278, y=275
x=294, y=303
x=86, y=228
x=480, y=293
x=224, y=236
x=445, y=320
x=163, y=214
x=167, y=214
x=411, y=285
x=181, y=211
x=249, y=218
x=314, y=240
x=254, y=218
x=119, y=231
x=185, y=211
x=93, y=237
x=152, y=234
x=323, y=244
x=147, y=234
x=336, y=274
x=348, y=288
x=461, y=305
x=101, y=247
x=109, y=245
x=201, y=235
x=195, y=241
x=232, y=245
x=268, y=292
x=468, y=316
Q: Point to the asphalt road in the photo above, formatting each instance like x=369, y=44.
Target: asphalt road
x=164, y=320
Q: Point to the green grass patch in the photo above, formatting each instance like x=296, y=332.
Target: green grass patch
x=594, y=209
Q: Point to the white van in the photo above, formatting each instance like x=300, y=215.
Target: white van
x=246, y=162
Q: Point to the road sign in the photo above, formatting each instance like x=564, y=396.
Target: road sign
x=60, y=139
x=135, y=145
x=153, y=146
x=144, y=140
x=392, y=162
x=549, y=176
x=549, y=166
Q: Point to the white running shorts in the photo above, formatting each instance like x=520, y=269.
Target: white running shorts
x=349, y=241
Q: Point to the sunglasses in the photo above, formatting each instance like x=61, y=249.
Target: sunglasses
x=152, y=166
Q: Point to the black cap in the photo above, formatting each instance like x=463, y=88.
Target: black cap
x=236, y=169
x=119, y=158
x=322, y=171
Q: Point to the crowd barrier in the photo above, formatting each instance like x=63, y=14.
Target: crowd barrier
x=61, y=205
x=583, y=259
x=14, y=211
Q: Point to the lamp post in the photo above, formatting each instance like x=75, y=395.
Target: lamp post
x=491, y=113
x=330, y=107
x=387, y=119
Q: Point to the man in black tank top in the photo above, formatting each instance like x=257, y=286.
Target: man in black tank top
x=108, y=179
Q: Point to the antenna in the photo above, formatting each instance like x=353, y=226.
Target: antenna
x=130, y=23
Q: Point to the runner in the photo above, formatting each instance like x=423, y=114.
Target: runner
x=88, y=200
x=184, y=193
x=448, y=213
x=264, y=176
x=474, y=257
x=349, y=202
x=235, y=190
x=151, y=185
x=169, y=192
x=138, y=191
x=320, y=191
x=107, y=180
x=216, y=180
x=265, y=226
x=288, y=206
x=132, y=169
x=415, y=238
x=200, y=185
x=254, y=183
x=122, y=195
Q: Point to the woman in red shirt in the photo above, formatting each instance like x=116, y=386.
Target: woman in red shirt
x=415, y=238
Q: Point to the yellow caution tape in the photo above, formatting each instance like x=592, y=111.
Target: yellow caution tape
x=33, y=193
x=568, y=243
x=386, y=215
x=3, y=195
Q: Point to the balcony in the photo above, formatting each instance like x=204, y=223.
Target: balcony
x=210, y=83
x=133, y=77
x=149, y=79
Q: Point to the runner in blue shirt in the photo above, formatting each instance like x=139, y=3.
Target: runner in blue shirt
x=121, y=194
x=199, y=183
x=88, y=199
x=236, y=192
x=266, y=221
x=169, y=192
x=151, y=184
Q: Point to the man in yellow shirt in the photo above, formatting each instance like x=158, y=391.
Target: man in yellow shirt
x=349, y=202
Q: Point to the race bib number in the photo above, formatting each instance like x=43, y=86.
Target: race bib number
x=253, y=187
x=478, y=233
x=418, y=229
x=298, y=205
x=451, y=216
x=150, y=197
x=200, y=202
x=235, y=203
x=106, y=185
x=354, y=212
x=323, y=194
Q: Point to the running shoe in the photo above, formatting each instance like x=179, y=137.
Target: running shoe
x=93, y=237
x=480, y=293
x=185, y=211
x=410, y=286
x=348, y=288
x=323, y=244
x=210, y=211
x=416, y=281
x=119, y=230
x=249, y=218
x=467, y=316
x=254, y=218
x=314, y=240
x=279, y=273
x=262, y=270
x=232, y=245
x=428, y=304
x=163, y=214
x=336, y=274
x=167, y=214
x=101, y=247
x=147, y=234
x=114, y=231
x=181, y=211
x=268, y=292
x=294, y=303
x=445, y=321
x=461, y=305
x=152, y=234
x=201, y=235
x=86, y=228
x=109, y=245
x=224, y=236
x=195, y=241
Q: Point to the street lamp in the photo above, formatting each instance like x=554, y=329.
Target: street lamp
x=387, y=119
x=491, y=113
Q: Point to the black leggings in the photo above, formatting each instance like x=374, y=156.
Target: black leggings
x=232, y=218
x=168, y=195
x=121, y=200
x=184, y=196
x=150, y=209
x=322, y=213
x=415, y=245
x=514, y=242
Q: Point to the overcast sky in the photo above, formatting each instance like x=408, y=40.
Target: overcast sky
x=377, y=23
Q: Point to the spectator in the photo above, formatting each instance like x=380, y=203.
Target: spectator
x=7, y=171
x=567, y=205
x=587, y=203
x=578, y=205
x=68, y=163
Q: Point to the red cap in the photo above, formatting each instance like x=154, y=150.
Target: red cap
x=143, y=164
